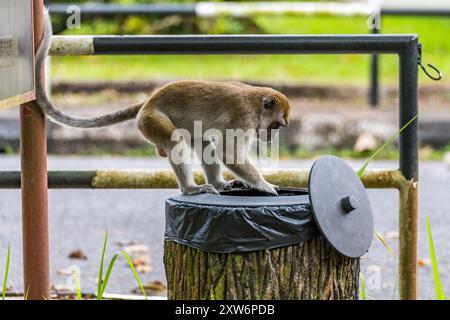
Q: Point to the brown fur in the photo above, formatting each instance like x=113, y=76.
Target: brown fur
x=219, y=105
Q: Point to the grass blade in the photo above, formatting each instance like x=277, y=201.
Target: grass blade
x=440, y=294
x=100, y=271
x=384, y=242
x=103, y=281
x=110, y=268
x=25, y=296
x=5, y=276
x=107, y=275
x=395, y=284
x=77, y=285
x=363, y=287
x=381, y=239
x=366, y=163
x=136, y=276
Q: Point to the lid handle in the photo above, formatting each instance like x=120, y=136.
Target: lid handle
x=349, y=204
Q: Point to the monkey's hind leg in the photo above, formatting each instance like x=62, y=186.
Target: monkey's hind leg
x=158, y=129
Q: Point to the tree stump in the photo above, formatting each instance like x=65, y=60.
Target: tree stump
x=310, y=270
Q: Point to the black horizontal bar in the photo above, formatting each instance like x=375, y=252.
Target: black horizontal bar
x=117, y=9
x=416, y=12
x=251, y=44
x=56, y=179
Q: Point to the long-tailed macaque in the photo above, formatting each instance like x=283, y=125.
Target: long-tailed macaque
x=177, y=105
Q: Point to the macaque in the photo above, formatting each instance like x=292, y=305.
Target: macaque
x=219, y=106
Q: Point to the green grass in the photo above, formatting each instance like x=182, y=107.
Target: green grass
x=439, y=289
x=302, y=153
x=104, y=279
x=360, y=173
x=77, y=285
x=311, y=69
x=100, y=269
x=384, y=243
x=383, y=146
x=362, y=291
x=440, y=294
x=6, y=274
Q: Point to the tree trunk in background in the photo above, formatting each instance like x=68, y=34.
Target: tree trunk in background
x=309, y=270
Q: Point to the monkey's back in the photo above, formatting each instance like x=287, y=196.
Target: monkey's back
x=217, y=104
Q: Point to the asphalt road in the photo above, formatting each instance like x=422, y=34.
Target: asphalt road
x=78, y=219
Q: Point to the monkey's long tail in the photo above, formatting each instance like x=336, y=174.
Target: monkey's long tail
x=59, y=117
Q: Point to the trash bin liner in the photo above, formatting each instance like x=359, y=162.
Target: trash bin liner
x=240, y=220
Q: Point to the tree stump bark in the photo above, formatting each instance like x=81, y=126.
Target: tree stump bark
x=311, y=270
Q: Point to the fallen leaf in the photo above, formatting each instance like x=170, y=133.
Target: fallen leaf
x=78, y=254
x=152, y=288
x=423, y=262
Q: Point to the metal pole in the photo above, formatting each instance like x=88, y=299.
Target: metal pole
x=166, y=179
x=374, y=83
x=228, y=44
x=33, y=151
x=408, y=140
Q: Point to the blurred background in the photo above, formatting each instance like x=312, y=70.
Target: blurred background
x=331, y=115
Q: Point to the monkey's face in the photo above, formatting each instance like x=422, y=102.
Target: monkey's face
x=274, y=114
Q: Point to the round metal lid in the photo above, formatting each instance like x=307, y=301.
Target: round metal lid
x=340, y=206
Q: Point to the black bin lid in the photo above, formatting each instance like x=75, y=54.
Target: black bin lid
x=340, y=206
x=240, y=220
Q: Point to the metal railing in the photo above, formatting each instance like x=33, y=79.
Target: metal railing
x=405, y=179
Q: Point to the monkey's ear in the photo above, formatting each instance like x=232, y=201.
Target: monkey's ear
x=268, y=102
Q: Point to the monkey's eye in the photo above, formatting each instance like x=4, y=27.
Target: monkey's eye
x=269, y=103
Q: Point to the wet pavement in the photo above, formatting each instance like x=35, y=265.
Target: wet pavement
x=79, y=218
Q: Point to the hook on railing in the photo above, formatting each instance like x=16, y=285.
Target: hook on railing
x=435, y=78
x=419, y=62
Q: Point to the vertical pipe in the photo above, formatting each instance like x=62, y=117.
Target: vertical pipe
x=33, y=151
x=408, y=219
x=374, y=91
x=409, y=109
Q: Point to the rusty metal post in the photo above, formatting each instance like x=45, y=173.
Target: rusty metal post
x=409, y=166
x=33, y=151
x=408, y=240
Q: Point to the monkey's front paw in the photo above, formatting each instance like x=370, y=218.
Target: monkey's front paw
x=267, y=188
x=277, y=188
x=204, y=188
x=207, y=188
x=236, y=183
